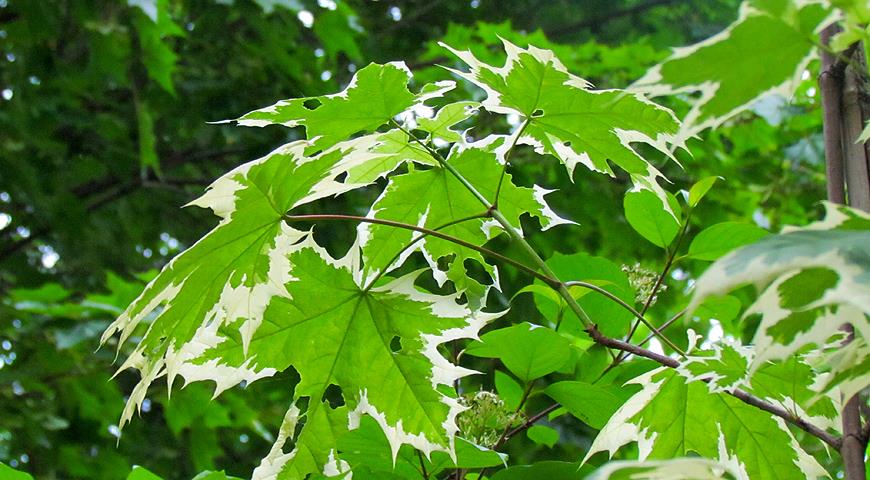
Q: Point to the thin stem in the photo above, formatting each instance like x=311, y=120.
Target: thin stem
x=533, y=419
x=511, y=231
x=407, y=226
x=747, y=398
x=657, y=331
x=659, y=281
x=741, y=395
x=447, y=165
x=506, y=433
x=410, y=244
x=628, y=307
x=514, y=139
x=422, y=465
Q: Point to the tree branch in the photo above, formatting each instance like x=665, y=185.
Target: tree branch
x=639, y=316
x=108, y=186
x=413, y=242
x=428, y=231
x=533, y=419
x=741, y=395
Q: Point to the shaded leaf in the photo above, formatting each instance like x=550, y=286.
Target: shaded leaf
x=612, y=319
x=508, y=389
x=368, y=447
x=528, y=351
x=649, y=217
x=719, y=239
x=592, y=404
x=543, y=435
x=551, y=470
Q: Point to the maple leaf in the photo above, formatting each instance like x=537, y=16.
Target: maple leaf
x=671, y=417
x=376, y=94
x=433, y=198
x=764, y=52
x=378, y=346
x=569, y=120
x=813, y=279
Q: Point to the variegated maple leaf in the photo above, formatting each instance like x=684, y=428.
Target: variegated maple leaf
x=765, y=51
x=566, y=118
x=813, y=280
x=434, y=198
x=671, y=417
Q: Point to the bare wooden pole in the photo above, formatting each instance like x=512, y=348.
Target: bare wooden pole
x=857, y=177
x=831, y=87
x=846, y=164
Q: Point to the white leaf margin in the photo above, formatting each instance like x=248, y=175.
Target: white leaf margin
x=652, y=82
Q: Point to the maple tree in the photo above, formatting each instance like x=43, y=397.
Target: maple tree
x=258, y=295
x=380, y=344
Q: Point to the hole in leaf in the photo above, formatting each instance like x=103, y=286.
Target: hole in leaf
x=538, y=113
x=396, y=344
x=333, y=396
x=311, y=104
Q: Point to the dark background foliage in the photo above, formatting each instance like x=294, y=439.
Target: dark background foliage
x=104, y=136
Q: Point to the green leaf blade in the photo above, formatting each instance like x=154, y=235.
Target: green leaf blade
x=528, y=351
x=534, y=84
x=653, y=220
x=766, y=50
x=721, y=238
x=375, y=95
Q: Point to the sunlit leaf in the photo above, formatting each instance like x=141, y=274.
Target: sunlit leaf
x=434, y=198
x=674, y=469
x=569, y=120
x=813, y=279
x=672, y=418
x=376, y=94
x=10, y=473
x=765, y=51
x=699, y=190
x=448, y=116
